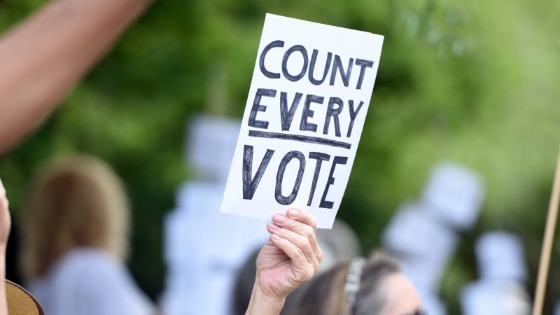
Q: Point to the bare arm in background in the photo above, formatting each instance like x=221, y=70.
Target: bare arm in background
x=43, y=57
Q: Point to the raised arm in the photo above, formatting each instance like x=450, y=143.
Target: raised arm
x=289, y=259
x=43, y=57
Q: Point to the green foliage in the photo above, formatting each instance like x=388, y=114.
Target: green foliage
x=474, y=82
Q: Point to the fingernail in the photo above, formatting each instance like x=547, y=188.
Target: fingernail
x=275, y=237
x=293, y=213
x=273, y=226
x=279, y=219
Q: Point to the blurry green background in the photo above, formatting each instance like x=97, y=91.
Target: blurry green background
x=473, y=82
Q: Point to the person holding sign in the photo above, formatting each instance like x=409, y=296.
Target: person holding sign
x=79, y=205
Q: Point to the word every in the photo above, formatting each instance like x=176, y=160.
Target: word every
x=334, y=109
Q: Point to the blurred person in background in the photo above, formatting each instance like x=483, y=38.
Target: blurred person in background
x=75, y=240
x=44, y=56
x=373, y=286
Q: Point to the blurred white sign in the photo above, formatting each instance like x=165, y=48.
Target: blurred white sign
x=414, y=233
x=495, y=298
x=454, y=193
x=500, y=256
x=210, y=144
x=306, y=108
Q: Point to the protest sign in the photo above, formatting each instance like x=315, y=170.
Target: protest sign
x=306, y=108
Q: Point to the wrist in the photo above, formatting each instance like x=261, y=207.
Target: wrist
x=264, y=304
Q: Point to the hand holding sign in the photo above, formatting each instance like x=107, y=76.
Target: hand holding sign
x=311, y=89
x=289, y=259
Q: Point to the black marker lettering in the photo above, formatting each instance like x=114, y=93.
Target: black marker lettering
x=299, y=138
x=353, y=115
x=333, y=112
x=329, y=204
x=307, y=112
x=303, y=52
x=320, y=157
x=283, y=200
x=250, y=185
x=268, y=74
x=363, y=65
x=285, y=114
x=312, y=68
x=257, y=107
x=338, y=65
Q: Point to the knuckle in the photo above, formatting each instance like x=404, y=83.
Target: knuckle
x=316, y=267
x=308, y=232
x=281, y=232
x=304, y=245
x=312, y=223
x=300, y=241
x=319, y=255
x=299, y=254
x=309, y=272
x=290, y=224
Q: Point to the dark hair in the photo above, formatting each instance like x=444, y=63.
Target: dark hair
x=326, y=295
x=243, y=286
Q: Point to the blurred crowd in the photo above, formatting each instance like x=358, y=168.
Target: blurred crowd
x=75, y=229
x=419, y=241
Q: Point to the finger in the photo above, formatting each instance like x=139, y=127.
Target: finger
x=2, y=189
x=299, y=241
x=300, y=228
x=303, y=217
x=301, y=268
x=302, y=233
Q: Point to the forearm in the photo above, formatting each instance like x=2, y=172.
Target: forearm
x=42, y=58
x=261, y=304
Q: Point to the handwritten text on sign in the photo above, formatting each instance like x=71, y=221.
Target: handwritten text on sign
x=305, y=112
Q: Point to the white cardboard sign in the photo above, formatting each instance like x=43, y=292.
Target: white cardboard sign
x=306, y=108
